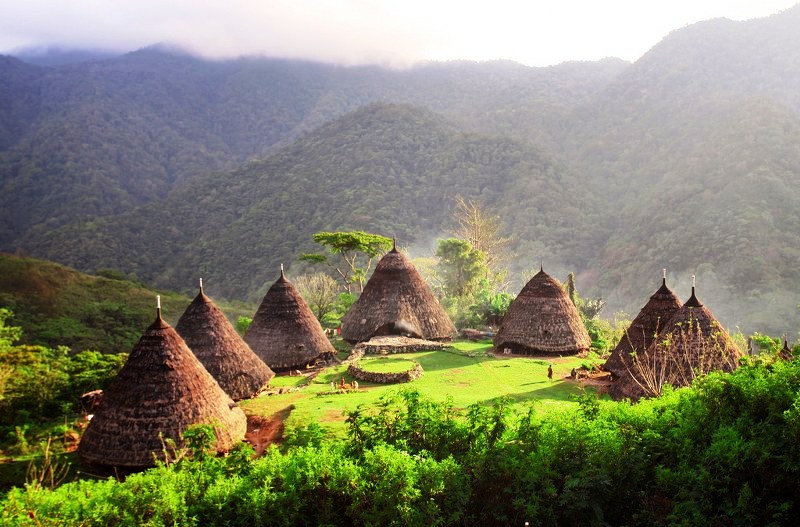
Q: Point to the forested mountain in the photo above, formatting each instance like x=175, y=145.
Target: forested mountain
x=89, y=139
x=384, y=168
x=167, y=165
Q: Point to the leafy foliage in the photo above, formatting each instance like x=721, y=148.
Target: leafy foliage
x=356, y=251
x=723, y=451
x=462, y=267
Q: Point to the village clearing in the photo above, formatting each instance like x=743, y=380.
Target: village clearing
x=466, y=374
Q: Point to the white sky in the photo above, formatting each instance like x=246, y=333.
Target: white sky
x=388, y=32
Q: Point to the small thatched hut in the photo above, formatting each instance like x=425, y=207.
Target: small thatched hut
x=285, y=333
x=160, y=391
x=396, y=301
x=542, y=320
x=214, y=341
x=692, y=343
x=648, y=323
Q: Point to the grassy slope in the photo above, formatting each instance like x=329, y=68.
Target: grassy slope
x=467, y=375
x=57, y=305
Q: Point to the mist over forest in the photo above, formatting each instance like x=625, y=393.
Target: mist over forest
x=167, y=166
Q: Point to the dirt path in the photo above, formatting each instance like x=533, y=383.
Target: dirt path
x=264, y=431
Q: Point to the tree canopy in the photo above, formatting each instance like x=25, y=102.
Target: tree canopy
x=356, y=251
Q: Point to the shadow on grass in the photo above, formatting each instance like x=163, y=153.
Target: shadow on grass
x=557, y=391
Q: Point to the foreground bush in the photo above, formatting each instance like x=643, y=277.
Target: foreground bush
x=724, y=452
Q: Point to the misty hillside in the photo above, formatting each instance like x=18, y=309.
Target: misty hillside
x=167, y=165
x=89, y=139
x=384, y=168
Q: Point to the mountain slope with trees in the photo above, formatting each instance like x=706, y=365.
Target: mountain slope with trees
x=87, y=139
x=163, y=164
x=389, y=169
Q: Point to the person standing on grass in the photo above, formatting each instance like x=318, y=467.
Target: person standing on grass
x=549, y=372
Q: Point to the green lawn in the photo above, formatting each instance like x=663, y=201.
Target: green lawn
x=467, y=375
x=393, y=364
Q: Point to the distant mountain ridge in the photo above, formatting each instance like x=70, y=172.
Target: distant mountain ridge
x=163, y=164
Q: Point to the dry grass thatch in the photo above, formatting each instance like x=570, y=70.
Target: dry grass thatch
x=396, y=301
x=214, y=341
x=161, y=390
x=692, y=343
x=542, y=320
x=653, y=317
x=285, y=333
x=785, y=353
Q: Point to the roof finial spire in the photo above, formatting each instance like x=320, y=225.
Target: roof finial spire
x=394, y=243
x=282, y=275
x=158, y=306
x=664, y=276
x=541, y=265
x=201, y=285
x=693, y=301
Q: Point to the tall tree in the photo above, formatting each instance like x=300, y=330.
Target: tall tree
x=350, y=254
x=462, y=266
x=320, y=292
x=482, y=229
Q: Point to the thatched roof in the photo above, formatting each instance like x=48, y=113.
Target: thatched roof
x=214, y=341
x=786, y=353
x=542, y=320
x=161, y=390
x=396, y=301
x=692, y=343
x=648, y=323
x=285, y=333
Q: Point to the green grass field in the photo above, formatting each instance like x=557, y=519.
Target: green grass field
x=387, y=364
x=467, y=374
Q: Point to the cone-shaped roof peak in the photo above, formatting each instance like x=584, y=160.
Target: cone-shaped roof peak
x=201, y=297
x=693, y=301
x=159, y=322
x=663, y=290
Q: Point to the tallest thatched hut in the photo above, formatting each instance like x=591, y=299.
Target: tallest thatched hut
x=396, y=301
x=542, y=320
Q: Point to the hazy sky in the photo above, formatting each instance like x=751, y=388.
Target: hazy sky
x=396, y=32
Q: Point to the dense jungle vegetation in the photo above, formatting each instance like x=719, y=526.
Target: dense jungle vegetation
x=723, y=452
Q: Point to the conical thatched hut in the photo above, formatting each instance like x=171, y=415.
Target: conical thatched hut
x=160, y=391
x=285, y=333
x=647, y=324
x=214, y=341
x=786, y=353
x=542, y=320
x=396, y=301
x=692, y=343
